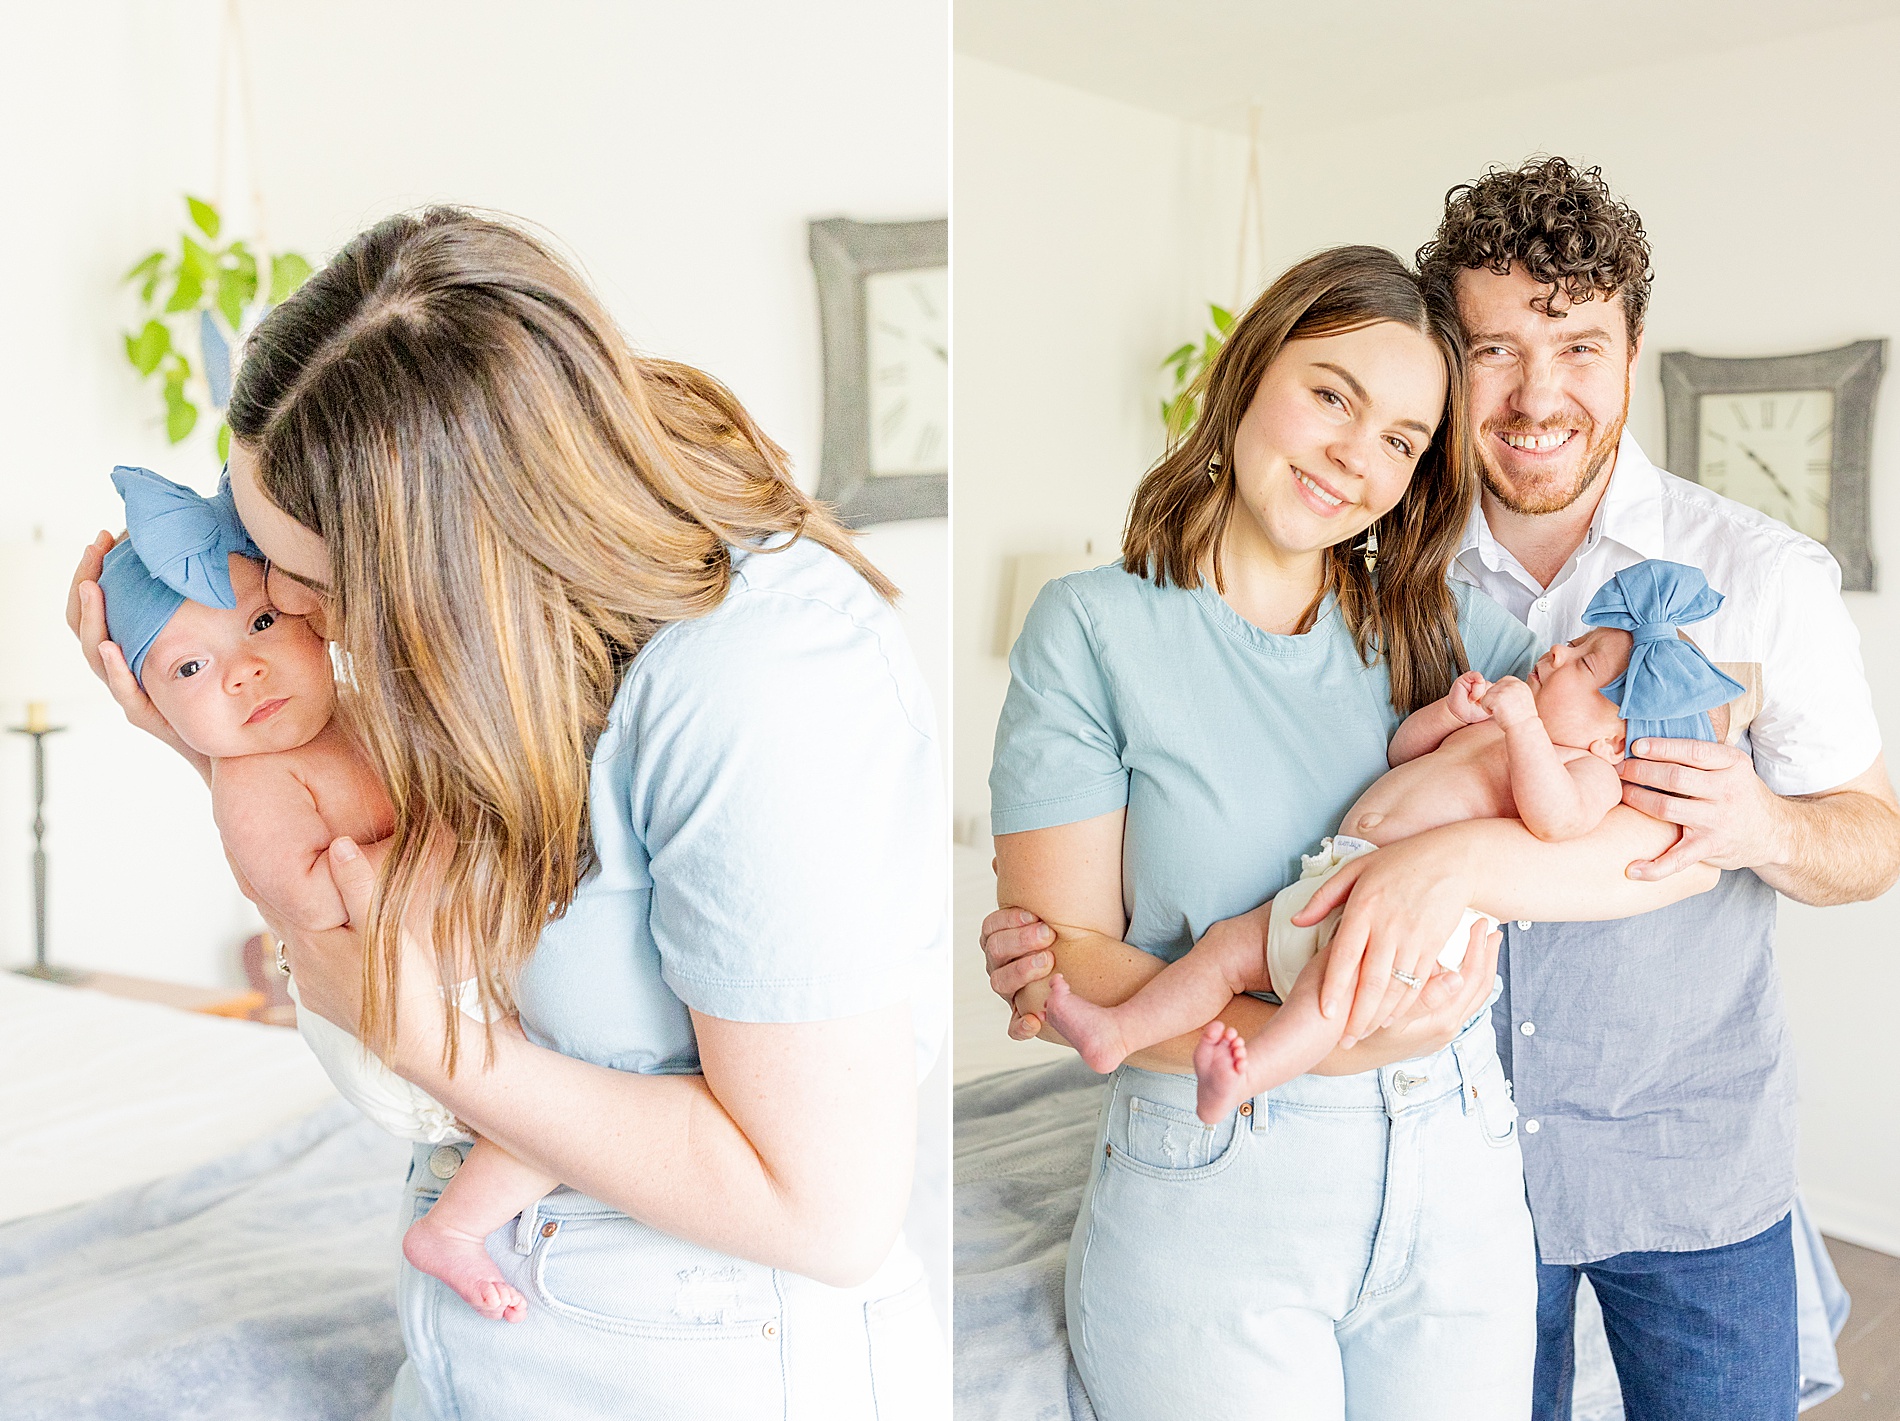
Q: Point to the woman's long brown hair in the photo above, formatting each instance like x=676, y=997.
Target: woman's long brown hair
x=513, y=502
x=1403, y=613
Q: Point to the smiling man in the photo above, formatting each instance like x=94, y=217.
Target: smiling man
x=1650, y=1057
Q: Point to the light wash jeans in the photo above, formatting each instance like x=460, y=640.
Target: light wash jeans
x=1344, y=1247
x=625, y=1321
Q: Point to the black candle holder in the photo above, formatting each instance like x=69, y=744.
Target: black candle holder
x=41, y=968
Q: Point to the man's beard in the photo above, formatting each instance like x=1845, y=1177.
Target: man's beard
x=1534, y=501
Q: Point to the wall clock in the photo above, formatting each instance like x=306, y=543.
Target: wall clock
x=884, y=308
x=1791, y=435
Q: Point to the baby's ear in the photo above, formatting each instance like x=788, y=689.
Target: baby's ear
x=1609, y=747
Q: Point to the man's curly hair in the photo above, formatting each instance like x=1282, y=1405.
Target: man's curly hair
x=1559, y=224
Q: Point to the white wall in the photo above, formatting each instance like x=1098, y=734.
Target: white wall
x=1089, y=235
x=676, y=150
x=1766, y=180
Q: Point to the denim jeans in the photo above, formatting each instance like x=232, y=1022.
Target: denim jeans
x=624, y=1320
x=1707, y=1335
x=1346, y=1247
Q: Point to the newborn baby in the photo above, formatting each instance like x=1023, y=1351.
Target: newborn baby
x=254, y=690
x=1545, y=753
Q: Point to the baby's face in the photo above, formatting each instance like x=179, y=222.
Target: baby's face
x=1568, y=682
x=245, y=682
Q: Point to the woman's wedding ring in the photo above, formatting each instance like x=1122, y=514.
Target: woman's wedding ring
x=1405, y=977
x=283, y=965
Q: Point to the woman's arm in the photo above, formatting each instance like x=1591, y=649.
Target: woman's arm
x=1070, y=878
x=794, y=1149
x=1425, y=729
x=1403, y=900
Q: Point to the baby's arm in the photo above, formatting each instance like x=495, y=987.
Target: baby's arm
x=1555, y=799
x=1425, y=729
x=275, y=837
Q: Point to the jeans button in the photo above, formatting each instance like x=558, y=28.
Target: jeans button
x=1407, y=1084
x=444, y=1160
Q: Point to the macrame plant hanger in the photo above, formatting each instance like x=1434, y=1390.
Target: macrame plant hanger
x=234, y=73
x=1253, y=222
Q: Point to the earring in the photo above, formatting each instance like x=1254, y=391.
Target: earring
x=1371, y=549
x=1213, y=468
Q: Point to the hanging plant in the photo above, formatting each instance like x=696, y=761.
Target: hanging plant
x=1183, y=407
x=202, y=299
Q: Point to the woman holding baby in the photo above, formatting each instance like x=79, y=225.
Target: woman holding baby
x=646, y=718
x=1180, y=729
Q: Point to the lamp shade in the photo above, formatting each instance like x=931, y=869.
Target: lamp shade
x=40, y=661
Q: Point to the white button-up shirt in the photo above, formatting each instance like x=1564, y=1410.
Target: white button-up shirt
x=1782, y=611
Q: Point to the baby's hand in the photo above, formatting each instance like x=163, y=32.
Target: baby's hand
x=1467, y=696
x=1510, y=702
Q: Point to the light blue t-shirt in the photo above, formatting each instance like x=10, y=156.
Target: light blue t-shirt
x=767, y=802
x=1235, y=751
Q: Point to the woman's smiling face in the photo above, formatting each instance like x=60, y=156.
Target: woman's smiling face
x=1332, y=436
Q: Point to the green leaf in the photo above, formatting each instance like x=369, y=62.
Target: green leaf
x=190, y=290
x=147, y=265
x=288, y=271
x=1175, y=357
x=224, y=441
x=180, y=414
x=1223, y=319
x=195, y=258
x=148, y=347
x=1210, y=350
x=205, y=215
x=232, y=296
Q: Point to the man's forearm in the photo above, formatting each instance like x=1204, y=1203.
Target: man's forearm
x=1839, y=848
x=1574, y=880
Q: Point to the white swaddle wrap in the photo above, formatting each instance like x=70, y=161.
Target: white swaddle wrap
x=1289, y=949
x=404, y=1110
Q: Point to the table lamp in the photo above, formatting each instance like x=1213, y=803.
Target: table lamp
x=43, y=679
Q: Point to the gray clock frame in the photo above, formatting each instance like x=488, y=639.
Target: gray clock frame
x=843, y=253
x=1852, y=372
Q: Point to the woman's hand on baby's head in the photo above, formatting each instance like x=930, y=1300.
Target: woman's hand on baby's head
x=86, y=616
x=1467, y=696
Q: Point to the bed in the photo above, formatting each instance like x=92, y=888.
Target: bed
x=194, y=1224
x=1025, y=1132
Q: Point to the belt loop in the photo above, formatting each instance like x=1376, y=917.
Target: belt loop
x=1259, y=1109
x=1467, y=1072
x=525, y=1228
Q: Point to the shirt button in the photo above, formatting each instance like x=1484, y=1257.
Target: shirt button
x=1529, y=1028
x=1531, y=1127
x=1523, y=925
x=1543, y=604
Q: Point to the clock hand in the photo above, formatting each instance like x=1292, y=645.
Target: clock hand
x=1766, y=470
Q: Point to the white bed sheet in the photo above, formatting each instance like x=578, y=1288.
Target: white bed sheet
x=99, y=1094
x=981, y=1037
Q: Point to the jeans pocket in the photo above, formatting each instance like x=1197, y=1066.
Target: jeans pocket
x=910, y=1373
x=609, y=1272
x=1166, y=1140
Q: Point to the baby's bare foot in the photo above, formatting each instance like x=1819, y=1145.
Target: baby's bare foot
x=1220, y=1065
x=1092, y=1030
x=462, y=1261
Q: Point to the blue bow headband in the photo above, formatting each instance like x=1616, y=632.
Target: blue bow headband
x=177, y=546
x=1669, y=687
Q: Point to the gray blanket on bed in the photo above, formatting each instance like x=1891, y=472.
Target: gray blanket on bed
x=262, y=1284
x=1023, y=1143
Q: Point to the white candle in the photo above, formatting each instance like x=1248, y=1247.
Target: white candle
x=36, y=716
